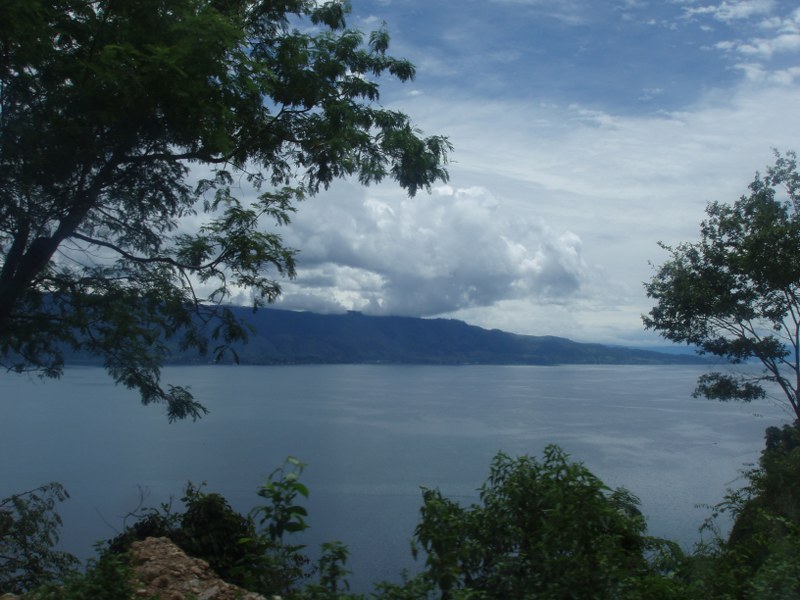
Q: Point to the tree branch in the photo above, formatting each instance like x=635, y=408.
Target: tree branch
x=164, y=260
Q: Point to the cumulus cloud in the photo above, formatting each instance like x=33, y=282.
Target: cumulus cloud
x=429, y=255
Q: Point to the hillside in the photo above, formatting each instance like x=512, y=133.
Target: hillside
x=286, y=337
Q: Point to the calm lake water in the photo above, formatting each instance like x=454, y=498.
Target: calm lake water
x=372, y=436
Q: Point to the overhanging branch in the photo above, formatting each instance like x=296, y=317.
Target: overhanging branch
x=164, y=260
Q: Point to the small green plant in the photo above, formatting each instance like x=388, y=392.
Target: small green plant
x=274, y=566
x=150, y=522
x=333, y=583
x=332, y=571
x=282, y=514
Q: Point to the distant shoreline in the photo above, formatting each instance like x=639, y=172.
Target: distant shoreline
x=283, y=337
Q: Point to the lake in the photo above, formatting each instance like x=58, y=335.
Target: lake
x=372, y=436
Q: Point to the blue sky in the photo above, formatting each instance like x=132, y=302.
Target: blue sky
x=585, y=131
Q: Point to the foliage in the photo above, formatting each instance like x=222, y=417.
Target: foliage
x=150, y=522
x=546, y=529
x=107, y=578
x=282, y=514
x=759, y=558
x=210, y=529
x=246, y=550
x=29, y=530
x=144, y=149
x=736, y=292
x=543, y=529
x=415, y=588
x=275, y=566
x=333, y=583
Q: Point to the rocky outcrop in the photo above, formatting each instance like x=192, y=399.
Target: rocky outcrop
x=161, y=569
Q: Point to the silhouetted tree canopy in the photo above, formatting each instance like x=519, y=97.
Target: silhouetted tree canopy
x=736, y=292
x=146, y=150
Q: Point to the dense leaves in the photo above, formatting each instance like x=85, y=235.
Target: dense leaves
x=759, y=557
x=736, y=292
x=29, y=532
x=543, y=529
x=145, y=147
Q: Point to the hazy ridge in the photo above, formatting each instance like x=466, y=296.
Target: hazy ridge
x=288, y=337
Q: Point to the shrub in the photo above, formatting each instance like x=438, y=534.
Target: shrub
x=107, y=578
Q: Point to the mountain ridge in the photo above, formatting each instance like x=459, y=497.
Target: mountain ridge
x=295, y=337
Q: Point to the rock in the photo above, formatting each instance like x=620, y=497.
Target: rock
x=161, y=568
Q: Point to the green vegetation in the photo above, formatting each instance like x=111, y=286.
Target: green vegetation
x=29, y=530
x=248, y=551
x=736, y=293
x=545, y=529
x=121, y=120
x=143, y=147
x=759, y=558
x=106, y=578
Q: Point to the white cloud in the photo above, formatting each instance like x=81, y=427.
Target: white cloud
x=456, y=249
x=783, y=32
x=758, y=74
x=766, y=47
x=733, y=11
x=726, y=45
x=371, y=21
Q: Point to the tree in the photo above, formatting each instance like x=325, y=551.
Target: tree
x=543, y=529
x=29, y=530
x=759, y=557
x=736, y=292
x=122, y=123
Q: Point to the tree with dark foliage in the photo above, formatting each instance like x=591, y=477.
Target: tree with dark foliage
x=145, y=147
x=736, y=292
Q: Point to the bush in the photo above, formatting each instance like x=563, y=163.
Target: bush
x=210, y=529
x=107, y=578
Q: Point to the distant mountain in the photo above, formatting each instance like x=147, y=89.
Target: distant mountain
x=286, y=337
